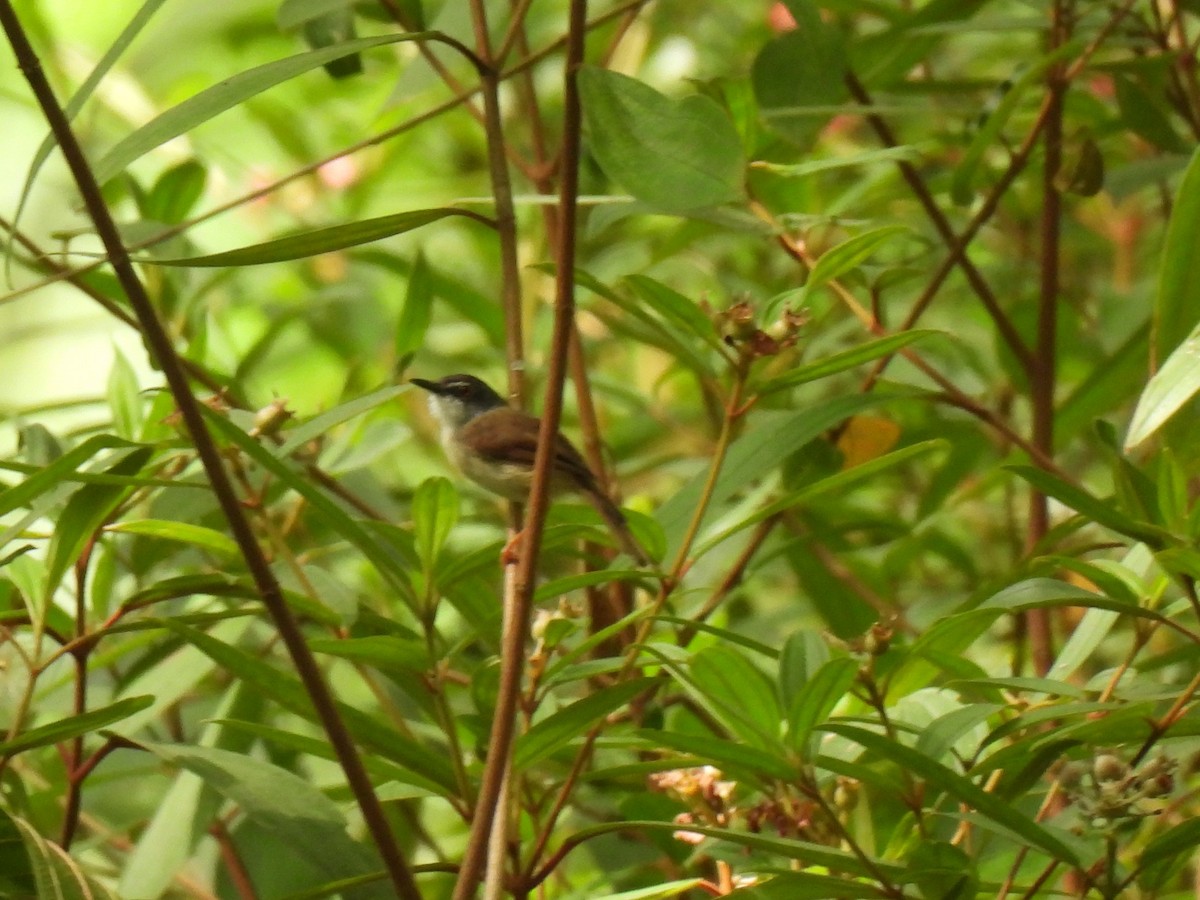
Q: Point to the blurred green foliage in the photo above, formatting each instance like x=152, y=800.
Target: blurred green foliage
x=869, y=294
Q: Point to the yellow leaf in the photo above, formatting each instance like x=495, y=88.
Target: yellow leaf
x=865, y=438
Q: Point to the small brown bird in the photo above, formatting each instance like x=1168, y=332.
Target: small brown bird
x=494, y=445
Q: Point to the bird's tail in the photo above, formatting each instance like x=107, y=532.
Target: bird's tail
x=617, y=523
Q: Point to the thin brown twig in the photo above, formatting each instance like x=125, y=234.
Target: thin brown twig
x=519, y=607
x=1044, y=365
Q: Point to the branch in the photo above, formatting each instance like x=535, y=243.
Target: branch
x=518, y=610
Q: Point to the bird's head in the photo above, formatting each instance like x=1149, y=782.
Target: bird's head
x=457, y=399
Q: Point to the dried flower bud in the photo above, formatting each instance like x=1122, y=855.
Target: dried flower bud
x=271, y=418
x=1107, y=767
x=878, y=639
x=1070, y=775
x=845, y=794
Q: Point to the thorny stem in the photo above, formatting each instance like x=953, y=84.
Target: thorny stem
x=160, y=346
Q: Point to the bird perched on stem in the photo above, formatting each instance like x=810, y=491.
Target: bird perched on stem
x=494, y=445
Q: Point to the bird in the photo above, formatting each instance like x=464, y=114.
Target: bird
x=494, y=445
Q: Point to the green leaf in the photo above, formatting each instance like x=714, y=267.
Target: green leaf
x=175, y=193
x=430, y=770
x=657, y=333
x=1101, y=512
x=314, y=241
x=739, y=761
x=572, y=722
x=58, y=471
x=677, y=155
x=183, y=532
x=331, y=30
x=802, y=656
x=664, y=891
x=416, y=313
x=55, y=874
x=388, y=653
x=888, y=56
x=849, y=255
x=324, y=422
x=939, y=736
x=80, y=97
x=966, y=791
x=1175, y=308
x=285, y=806
x=224, y=96
x=962, y=187
x=383, y=555
x=74, y=726
x=88, y=509
x=1180, y=839
x=767, y=441
x=16, y=872
x=847, y=359
x=294, y=13
x=808, y=886
x=1172, y=386
x=943, y=870
x=866, y=158
x=800, y=75
x=124, y=397
x=676, y=308
x=434, y=512
x=1086, y=636
x=811, y=854
x=1142, y=113
x=813, y=703
x=551, y=589
x=740, y=693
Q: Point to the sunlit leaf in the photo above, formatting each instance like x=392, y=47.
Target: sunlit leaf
x=314, y=241
x=183, y=532
x=225, y=95
x=73, y=726
x=677, y=155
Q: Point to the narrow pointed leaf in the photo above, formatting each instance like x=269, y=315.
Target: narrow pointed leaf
x=959, y=787
x=572, y=721
x=74, y=726
x=849, y=255
x=225, y=95
x=847, y=359
x=182, y=532
x=316, y=241
x=286, y=806
x=1103, y=512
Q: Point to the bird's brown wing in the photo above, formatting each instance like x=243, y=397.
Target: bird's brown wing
x=512, y=438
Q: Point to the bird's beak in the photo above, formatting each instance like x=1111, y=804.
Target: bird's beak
x=432, y=386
